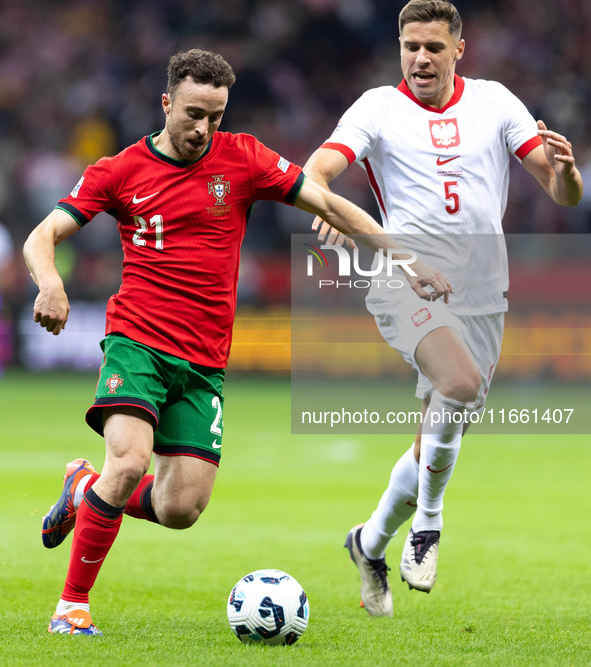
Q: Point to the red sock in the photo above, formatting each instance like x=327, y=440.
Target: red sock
x=140, y=503
x=97, y=525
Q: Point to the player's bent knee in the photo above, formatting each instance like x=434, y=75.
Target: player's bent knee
x=133, y=464
x=462, y=388
x=179, y=516
x=128, y=470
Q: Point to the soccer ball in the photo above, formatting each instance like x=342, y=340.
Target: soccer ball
x=268, y=607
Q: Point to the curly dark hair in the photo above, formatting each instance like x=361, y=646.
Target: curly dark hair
x=202, y=67
x=425, y=11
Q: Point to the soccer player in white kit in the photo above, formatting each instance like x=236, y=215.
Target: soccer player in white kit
x=436, y=150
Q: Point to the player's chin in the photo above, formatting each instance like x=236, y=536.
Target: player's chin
x=424, y=89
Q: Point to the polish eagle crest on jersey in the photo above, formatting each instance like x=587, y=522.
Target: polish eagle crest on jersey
x=219, y=189
x=444, y=133
x=113, y=383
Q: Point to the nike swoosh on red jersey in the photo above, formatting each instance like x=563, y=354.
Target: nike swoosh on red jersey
x=441, y=162
x=442, y=469
x=137, y=200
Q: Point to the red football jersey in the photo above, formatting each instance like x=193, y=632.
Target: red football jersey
x=181, y=226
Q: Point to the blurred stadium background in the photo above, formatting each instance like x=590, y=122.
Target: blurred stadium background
x=80, y=79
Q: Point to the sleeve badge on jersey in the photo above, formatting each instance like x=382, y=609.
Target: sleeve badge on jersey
x=75, y=191
x=339, y=125
x=444, y=133
x=283, y=164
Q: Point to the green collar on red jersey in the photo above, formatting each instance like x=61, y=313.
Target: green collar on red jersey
x=170, y=160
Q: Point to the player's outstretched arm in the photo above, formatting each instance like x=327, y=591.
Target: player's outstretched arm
x=553, y=165
x=51, y=307
x=350, y=219
x=323, y=166
x=339, y=212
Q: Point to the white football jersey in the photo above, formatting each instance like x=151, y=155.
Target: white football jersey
x=444, y=173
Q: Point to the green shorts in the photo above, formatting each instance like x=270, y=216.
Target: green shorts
x=184, y=399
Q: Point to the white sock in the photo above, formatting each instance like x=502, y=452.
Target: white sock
x=80, y=491
x=440, y=446
x=63, y=607
x=396, y=505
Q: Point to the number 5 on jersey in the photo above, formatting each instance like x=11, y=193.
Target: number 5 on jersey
x=454, y=197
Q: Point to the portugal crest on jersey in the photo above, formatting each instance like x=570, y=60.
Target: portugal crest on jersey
x=219, y=189
x=113, y=383
x=444, y=133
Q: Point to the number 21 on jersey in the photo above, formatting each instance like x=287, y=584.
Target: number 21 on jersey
x=157, y=222
x=452, y=196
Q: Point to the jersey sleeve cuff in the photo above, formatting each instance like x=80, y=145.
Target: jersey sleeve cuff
x=294, y=191
x=80, y=218
x=345, y=150
x=528, y=147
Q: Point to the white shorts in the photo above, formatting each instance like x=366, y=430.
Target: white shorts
x=404, y=320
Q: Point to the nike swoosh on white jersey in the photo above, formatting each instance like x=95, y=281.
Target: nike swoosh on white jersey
x=137, y=200
x=441, y=161
x=91, y=561
x=215, y=445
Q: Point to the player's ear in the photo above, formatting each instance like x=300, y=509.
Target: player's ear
x=166, y=103
x=459, y=50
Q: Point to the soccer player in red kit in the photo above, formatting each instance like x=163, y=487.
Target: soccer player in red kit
x=181, y=198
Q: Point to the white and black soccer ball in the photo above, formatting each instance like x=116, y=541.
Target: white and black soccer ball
x=268, y=607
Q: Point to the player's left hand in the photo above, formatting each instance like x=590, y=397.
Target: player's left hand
x=558, y=150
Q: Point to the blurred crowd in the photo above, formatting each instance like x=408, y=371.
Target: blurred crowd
x=80, y=79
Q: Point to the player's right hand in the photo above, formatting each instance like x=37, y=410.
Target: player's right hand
x=51, y=309
x=429, y=276
x=330, y=235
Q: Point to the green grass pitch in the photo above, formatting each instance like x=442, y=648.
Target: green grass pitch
x=514, y=582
